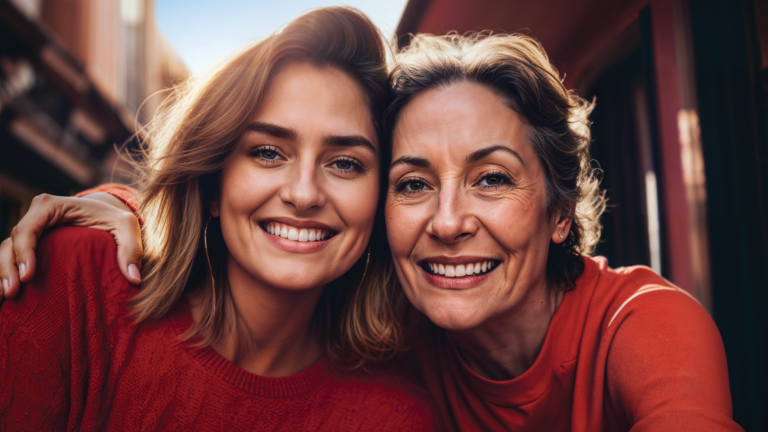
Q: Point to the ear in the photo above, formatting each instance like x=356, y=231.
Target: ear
x=562, y=229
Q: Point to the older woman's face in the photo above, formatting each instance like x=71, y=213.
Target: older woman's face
x=299, y=195
x=466, y=208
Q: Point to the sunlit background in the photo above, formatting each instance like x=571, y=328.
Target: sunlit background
x=201, y=34
x=680, y=128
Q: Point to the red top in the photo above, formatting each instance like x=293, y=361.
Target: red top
x=625, y=350
x=72, y=358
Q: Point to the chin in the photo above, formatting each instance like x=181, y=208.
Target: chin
x=452, y=314
x=294, y=282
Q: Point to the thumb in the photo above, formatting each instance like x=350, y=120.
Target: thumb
x=127, y=234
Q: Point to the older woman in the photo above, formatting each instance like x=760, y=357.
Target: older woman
x=492, y=212
x=261, y=295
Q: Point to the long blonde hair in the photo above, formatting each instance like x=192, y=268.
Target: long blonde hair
x=188, y=143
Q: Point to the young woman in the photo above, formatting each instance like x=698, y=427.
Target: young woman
x=261, y=283
x=492, y=211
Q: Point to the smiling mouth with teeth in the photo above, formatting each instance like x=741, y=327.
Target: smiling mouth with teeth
x=456, y=271
x=297, y=234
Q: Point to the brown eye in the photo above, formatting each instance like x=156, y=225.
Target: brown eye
x=494, y=180
x=416, y=185
x=413, y=185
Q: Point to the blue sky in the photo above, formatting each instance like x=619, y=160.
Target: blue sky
x=204, y=31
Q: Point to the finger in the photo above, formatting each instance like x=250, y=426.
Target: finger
x=127, y=234
x=9, y=275
x=26, y=233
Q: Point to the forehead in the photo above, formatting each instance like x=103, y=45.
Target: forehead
x=457, y=119
x=310, y=97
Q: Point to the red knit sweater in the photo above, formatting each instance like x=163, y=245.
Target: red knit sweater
x=625, y=350
x=72, y=358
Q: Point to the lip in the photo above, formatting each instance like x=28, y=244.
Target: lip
x=464, y=259
x=464, y=282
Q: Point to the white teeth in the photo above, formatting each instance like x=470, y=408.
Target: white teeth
x=295, y=234
x=450, y=271
x=461, y=270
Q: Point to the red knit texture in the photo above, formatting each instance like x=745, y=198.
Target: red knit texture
x=72, y=358
x=625, y=350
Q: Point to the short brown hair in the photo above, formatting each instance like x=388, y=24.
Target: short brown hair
x=517, y=69
x=191, y=139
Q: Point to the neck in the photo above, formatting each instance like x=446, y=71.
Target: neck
x=506, y=346
x=278, y=323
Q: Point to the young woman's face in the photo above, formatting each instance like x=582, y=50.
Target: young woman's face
x=466, y=207
x=299, y=195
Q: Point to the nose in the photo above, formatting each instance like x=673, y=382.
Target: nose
x=453, y=221
x=301, y=189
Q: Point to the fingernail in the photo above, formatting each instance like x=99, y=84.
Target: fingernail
x=133, y=272
x=6, y=286
x=22, y=270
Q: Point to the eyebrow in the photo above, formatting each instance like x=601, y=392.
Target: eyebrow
x=479, y=154
x=291, y=134
x=410, y=160
x=274, y=130
x=349, y=141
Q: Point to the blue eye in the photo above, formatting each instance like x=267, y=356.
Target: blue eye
x=346, y=164
x=266, y=153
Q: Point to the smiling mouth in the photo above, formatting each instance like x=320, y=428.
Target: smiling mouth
x=461, y=270
x=296, y=234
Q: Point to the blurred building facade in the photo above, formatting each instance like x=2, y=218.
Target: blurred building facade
x=680, y=130
x=73, y=74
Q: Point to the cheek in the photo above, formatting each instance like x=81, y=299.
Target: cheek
x=404, y=227
x=243, y=188
x=514, y=220
x=355, y=201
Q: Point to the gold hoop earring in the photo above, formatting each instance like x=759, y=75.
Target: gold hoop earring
x=367, y=261
x=208, y=258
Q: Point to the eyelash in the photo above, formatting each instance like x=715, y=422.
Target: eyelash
x=356, y=165
x=505, y=179
x=402, y=186
x=259, y=153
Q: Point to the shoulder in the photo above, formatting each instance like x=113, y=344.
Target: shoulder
x=77, y=273
x=81, y=255
x=665, y=361
x=394, y=397
x=621, y=292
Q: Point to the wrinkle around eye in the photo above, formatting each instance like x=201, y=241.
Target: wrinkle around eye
x=523, y=195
